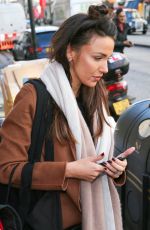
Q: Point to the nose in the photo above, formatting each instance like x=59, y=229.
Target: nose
x=103, y=67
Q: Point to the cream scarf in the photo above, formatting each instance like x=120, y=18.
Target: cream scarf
x=96, y=201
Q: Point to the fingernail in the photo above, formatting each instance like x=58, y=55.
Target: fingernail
x=103, y=163
x=121, y=158
x=102, y=154
x=110, y=162
x=113, y=159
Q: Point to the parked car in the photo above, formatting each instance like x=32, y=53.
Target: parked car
x=135, y=21
x=23, y=48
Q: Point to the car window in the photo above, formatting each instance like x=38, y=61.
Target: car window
x=20, y=38
x=44, y=39
x=25, y=37
x=136, y=14
x=129, y=16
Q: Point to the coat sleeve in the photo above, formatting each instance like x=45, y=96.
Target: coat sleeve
x=15, y=141
x=120, y=181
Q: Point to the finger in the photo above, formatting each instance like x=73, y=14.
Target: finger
x=115, y=169
x=116, y=165
x=112, y=169
x=98, y=157
x=109, y=173
x=109, y=165
x=127, y=152
x=112, y=174
x=117, y=162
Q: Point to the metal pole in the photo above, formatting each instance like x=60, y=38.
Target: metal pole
x=32, y=27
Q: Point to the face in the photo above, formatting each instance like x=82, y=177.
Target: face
x=122, y=17
x=90, y=62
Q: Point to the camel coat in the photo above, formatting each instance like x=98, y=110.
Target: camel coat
x=15, y=141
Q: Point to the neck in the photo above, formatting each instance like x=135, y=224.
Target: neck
x=75, y=89
x=75, y=84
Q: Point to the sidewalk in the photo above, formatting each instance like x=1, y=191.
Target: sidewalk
x=141, y=39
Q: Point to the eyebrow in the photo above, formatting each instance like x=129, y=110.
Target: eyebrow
x=101, y=54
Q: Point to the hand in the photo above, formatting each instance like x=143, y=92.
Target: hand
x=131, y=44
x=128, y=43
x=85, y=169
x=115, y=167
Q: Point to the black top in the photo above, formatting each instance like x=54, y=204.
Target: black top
x=121, y=37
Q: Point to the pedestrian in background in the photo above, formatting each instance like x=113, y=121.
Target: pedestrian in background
x=81, y=130
x=122, y=31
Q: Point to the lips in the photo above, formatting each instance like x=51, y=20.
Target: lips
x=97, y=78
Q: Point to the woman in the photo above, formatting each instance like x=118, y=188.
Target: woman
x=122, y=31
x=82, y=131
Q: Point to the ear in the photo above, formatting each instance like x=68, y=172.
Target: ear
x=69, y=53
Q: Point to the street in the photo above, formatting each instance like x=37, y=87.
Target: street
x=138, y=77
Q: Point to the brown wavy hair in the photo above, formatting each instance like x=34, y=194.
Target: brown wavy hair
x=77, y=31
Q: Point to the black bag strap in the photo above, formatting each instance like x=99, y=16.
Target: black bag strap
x=49, y=147
x=41, y=124
x=10, y=183
x=39, y=127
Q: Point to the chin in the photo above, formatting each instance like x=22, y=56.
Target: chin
x=92, y=85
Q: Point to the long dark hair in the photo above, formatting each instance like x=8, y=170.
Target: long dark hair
x=77, y=31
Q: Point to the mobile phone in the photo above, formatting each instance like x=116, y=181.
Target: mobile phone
x=103, y=163
x=119, y=158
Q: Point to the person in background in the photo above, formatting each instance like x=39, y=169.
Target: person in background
x=122, y=31
x=81, y=130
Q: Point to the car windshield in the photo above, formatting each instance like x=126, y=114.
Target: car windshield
x=25, y=37
x=132, y=15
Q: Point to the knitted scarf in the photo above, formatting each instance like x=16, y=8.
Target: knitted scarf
x=98, y=204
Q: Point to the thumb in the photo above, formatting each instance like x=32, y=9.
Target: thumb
x=98, y=157
x=128, y=152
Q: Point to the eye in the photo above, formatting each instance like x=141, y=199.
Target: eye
x=97, y=58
